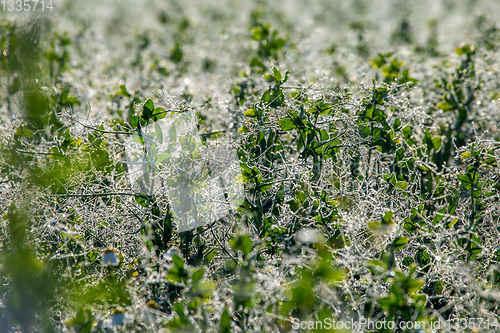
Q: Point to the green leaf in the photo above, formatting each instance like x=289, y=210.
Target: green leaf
x=23, y=131
x=134, y=121
x=138, y=139
x=286, y=124
x=387, y=218
x=242, y=243
x=123, y=91
x=83, y=322
x=179, y=309
x=266, y=97
x=397, y=124
x=147, y=110
x=445, y=106
x=93, y=255
x=399, y=243
x=376, y=262
x=436, y=143
x=324, y=135
x=264, y=187
x=159, y=113
x=301, y=196
x=401, y=185
x=173, y=133
x=287, y=73
x=255, y=62
x=422, y=258
x=159, y=133
x=198, y=275
x=470, y=179
x=142, y=200
x=379, y=227
x=204, y=289
x=376, y=266
x=178, y=261
x=466, y=155
x=162, y=158
x=225, y=322
x=279, y=43
x=465, y=49
x=380, y=61
x=241, y=179
x=328, y=273
x=250, y=113
x=277, y=75
x=407, y=132
x=414, y=285
x=390, y=71
x=294, y=206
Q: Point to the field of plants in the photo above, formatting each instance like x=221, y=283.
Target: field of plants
x=250, y=166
